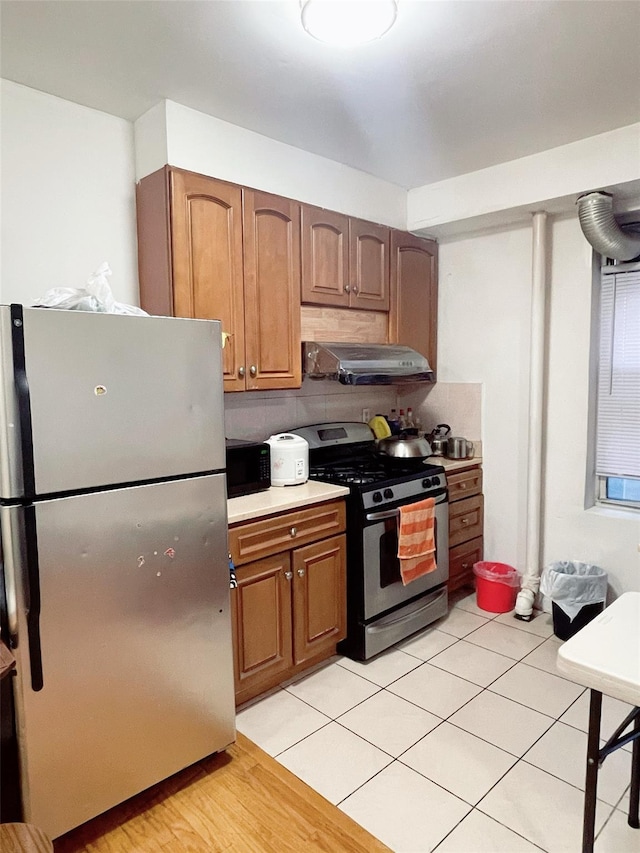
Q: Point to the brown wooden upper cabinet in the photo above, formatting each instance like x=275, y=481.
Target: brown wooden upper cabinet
x=413, y=317
x=212, y=250
x=345, y=261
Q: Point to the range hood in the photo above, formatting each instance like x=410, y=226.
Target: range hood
x=364, y=364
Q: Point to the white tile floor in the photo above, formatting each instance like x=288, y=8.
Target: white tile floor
x=463, y=739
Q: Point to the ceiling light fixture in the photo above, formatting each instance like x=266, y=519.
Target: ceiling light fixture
x=348, y=22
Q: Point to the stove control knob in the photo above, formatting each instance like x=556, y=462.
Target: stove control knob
x=377, y=497
x=388, y=494
x=426, y=483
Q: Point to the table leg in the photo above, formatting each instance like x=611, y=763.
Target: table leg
x=635, y=777
x=591, y=780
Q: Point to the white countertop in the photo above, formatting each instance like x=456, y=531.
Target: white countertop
x=455, y=464
x=281, y=498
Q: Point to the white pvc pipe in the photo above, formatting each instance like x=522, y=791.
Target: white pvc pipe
x=531, y=575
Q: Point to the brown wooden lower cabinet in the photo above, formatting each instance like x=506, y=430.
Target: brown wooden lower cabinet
x=466, y=523
x=289, y=609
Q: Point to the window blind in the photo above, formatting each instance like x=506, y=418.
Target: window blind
x=618, y=409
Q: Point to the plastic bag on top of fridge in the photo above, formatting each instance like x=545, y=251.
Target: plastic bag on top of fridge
x=95, y=296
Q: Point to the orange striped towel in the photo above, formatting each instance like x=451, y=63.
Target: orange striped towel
x=416, y=540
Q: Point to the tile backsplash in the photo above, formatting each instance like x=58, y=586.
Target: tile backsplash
x=255, y=415
x=458, y=404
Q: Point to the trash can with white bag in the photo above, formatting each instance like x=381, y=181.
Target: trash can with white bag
x=578, y=592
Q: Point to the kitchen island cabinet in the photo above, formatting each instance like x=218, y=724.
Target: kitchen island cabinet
x=208, y=249
x=345, y=261
x=289, y=608
x=466, y=519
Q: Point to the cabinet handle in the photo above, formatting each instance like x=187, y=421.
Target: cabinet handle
x=355, y=289
x=300, y=573
x=288, y=575
x=347, y=288
x=253, y=370
x=465, y=565
x=241, y=372
x=293, y=532
x=464, y=521
x=462, y=486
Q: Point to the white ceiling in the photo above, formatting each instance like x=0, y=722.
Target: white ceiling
x=456, y=85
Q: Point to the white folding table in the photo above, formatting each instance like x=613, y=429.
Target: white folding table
x=605, y=657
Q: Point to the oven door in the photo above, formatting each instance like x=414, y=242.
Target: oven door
x=383, y=587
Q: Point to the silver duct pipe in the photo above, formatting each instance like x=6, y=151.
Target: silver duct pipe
x=599, y=226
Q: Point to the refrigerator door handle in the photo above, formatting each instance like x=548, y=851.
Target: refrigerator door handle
x=22, y=582
x=24, y=400
x=32, y=597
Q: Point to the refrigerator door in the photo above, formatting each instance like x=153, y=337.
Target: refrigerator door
x=133, y=634
x=91, y=400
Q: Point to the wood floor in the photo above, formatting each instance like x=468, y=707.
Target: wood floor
x=240, y=800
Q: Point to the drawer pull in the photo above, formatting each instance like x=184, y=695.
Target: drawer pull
x=288, y=575
x=462, y=486
x=300, y=573
x=293, y=532
x=464, y=521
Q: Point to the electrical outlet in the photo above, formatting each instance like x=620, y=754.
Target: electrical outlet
x=366, y=416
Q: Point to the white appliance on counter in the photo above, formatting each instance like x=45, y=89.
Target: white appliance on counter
x=289, y=459
x=114, y=543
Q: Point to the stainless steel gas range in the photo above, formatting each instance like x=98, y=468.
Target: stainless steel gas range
x=380, y=610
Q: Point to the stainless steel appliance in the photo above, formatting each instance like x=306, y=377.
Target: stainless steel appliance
x=248, y=467
x=458, y=448
x=365, y=364
x=113, y=520
x=380, y=610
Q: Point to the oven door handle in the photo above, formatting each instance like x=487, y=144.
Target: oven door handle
x=380, y=516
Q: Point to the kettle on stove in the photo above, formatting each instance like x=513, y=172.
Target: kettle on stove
x=437, y=438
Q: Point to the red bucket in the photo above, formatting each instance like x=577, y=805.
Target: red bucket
x=497, y=586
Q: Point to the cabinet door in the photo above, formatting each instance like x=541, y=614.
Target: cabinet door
x=369, y=265
x=320, y=593
x=276, y=533
x=461, y=560
x=464, y=484
x=325, y=257
x=413, y=313
x=272, y=291
x=465, y=520
x=206, y=221
x=261, y=614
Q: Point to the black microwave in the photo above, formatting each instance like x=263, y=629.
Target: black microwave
x=248, y=467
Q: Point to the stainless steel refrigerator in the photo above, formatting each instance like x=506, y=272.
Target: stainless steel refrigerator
x=114, y=544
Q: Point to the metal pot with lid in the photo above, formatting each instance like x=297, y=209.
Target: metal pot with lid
x=404, y=447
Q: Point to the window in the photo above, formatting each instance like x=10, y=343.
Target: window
x=618, y=392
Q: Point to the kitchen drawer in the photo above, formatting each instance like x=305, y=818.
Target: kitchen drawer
x=277, y=533
x=461, y=560
x=465, y=520
x=464, y=484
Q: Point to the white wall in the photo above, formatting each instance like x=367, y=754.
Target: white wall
x=608, y=538
x=202, y=143
x=68, y=196
x=483, y=336
x=549, y=180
